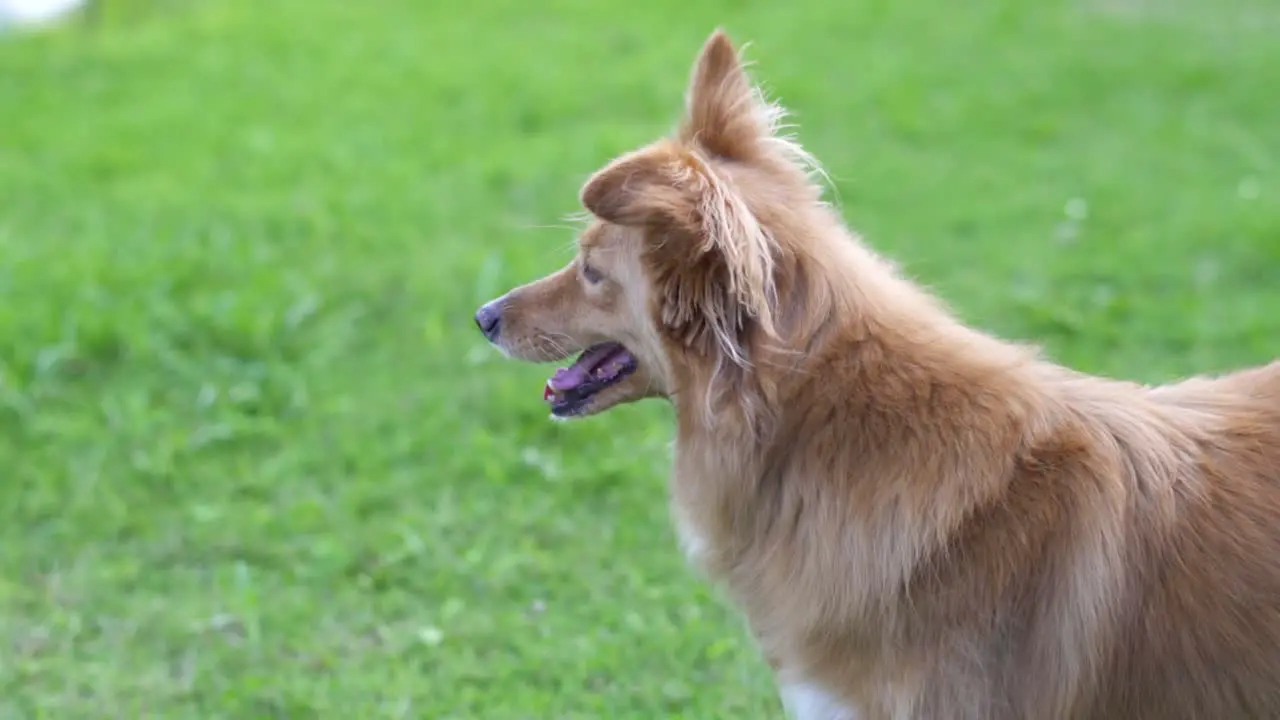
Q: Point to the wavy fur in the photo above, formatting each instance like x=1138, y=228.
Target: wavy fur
x=917, y=519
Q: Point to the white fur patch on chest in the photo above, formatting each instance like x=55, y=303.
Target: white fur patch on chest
x=804, y=701
x=692, y=542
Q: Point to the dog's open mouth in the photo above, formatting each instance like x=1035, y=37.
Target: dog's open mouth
x=570, y=390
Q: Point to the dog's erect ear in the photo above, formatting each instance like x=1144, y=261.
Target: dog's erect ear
x=723, y=112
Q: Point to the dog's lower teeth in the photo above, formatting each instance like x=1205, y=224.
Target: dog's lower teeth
x=607, y=371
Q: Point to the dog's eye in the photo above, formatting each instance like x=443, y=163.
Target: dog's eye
x=591, y=274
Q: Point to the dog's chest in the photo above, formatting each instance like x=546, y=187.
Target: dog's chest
x=693, y=540
x=804, y=701
x=701, y=495
x=721, y=532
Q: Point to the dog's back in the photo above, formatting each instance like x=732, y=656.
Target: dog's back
x=1201, y=638
x=1129, y=569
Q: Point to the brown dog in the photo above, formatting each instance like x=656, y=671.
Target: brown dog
x=918, y=520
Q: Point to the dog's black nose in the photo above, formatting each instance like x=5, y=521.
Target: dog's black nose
x=489, y=320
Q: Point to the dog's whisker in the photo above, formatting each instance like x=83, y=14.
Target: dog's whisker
x=561, y=228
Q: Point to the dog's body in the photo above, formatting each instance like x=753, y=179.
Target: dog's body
x=917, y=520
x=980, y=539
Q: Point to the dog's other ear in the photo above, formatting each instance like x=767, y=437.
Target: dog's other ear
x=723, y=113
x=716, y=283
x=649, y=187
x=713, y=260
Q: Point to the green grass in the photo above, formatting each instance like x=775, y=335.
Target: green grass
x=257, y=461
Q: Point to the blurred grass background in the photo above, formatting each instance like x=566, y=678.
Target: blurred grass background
x=257, y=461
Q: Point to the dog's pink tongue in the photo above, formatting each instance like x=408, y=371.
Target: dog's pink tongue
x=568, y=378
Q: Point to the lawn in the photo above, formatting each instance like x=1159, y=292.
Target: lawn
x=257, y=460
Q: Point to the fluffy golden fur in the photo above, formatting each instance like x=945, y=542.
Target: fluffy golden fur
x=917, y=520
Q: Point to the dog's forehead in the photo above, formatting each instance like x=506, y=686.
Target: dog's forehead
x=601, y=236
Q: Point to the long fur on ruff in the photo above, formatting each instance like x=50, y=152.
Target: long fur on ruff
x=916, y=519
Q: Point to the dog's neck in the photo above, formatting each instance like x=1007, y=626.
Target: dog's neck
x=843, y=313
x=892, y=368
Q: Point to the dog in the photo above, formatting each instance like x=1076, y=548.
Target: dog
x=915, y=518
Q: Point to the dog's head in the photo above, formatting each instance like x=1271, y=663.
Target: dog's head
x=678, y=275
